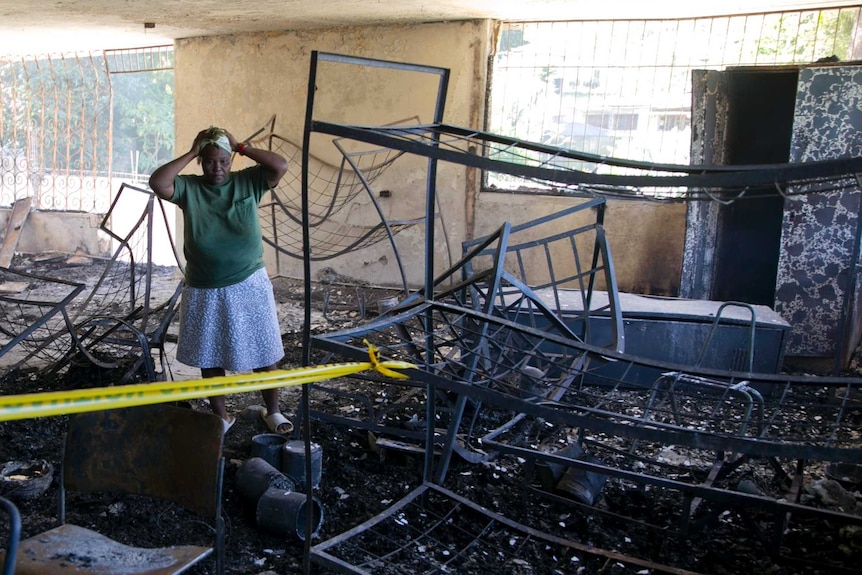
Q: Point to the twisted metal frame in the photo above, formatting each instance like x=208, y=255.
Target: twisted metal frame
x=501, y=373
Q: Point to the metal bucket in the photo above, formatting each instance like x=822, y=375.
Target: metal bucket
x=582, y=485
x=550, y=473
x=268, y=447
x=293, y=463
x=284, y=513
x=255, y=476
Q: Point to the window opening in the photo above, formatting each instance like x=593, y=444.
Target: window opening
x=623, y=88
x=75, y=126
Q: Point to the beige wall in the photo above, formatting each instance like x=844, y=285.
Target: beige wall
x=238, y=82
x=645, y=238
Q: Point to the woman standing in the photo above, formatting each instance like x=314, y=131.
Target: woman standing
x=228, y=319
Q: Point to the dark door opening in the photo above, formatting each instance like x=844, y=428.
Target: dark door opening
x=761, y=104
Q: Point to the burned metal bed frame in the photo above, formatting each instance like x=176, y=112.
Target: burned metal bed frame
x=117, y=325
x=427, y=517
x=334, y=188
x=36, y=312
x=501, y=374
x=721, y=427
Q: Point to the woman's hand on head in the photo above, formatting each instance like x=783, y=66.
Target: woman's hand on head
x=196, y=146
x=231, y=140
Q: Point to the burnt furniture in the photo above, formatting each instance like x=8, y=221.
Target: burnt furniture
x=155, y=451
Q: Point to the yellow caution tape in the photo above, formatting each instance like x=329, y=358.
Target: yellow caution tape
x=49, y=403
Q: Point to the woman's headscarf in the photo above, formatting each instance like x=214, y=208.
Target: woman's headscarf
x=216, y=137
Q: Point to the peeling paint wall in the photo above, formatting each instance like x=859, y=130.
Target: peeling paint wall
x=708, y=125
x=238, y=82
x=817, y=271
x=817, y=283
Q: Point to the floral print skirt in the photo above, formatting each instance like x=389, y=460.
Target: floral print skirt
x=234, y=327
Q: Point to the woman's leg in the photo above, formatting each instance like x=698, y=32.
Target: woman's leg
x=270, y=400
x=217, y=403
x=270, y=396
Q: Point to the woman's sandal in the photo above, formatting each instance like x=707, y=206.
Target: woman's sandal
x=277, y=422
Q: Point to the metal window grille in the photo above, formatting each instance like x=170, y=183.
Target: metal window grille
x=150, y=59
x=623, y=88
x=56, y=126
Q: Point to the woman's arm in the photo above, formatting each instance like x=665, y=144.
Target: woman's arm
x=162, y=179
x=273, y=164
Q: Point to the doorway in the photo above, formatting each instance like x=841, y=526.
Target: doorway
x=761, y=106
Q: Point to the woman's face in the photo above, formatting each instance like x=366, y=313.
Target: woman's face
x=215, y=163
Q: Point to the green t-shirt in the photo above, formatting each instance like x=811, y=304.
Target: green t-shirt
x=222, y=237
